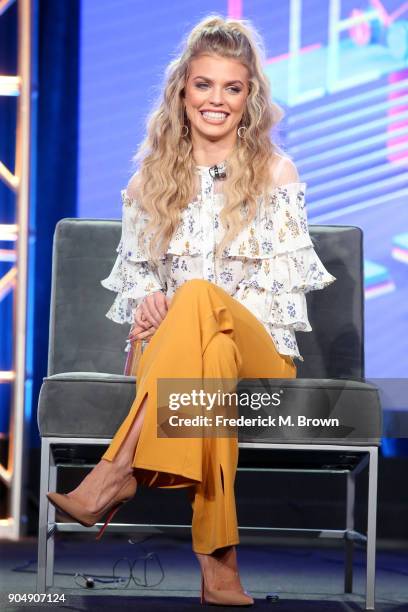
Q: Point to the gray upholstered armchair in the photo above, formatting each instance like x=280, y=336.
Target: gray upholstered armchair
x=85, y=397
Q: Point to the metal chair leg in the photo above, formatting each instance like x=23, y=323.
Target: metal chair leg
x=349, y=543
x=43, y=516
x=52, y=483
x=371, y=527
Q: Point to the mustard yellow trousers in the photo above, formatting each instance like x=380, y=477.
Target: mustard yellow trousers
x=206, y=334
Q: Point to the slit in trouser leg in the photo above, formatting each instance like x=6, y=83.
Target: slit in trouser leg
x=227, y=507
x=137, y=425
x=126, y=438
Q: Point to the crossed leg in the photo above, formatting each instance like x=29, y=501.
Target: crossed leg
x=209, y=313
x=107, y=477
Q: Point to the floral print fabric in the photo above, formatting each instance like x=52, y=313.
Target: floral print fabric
x=268, y=267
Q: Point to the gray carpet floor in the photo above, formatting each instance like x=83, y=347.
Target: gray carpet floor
x=305, y=575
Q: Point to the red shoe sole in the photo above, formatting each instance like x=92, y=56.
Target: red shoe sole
x=108, y=519
x=100, y=533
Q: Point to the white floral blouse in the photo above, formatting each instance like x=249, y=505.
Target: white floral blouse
x=268, y=267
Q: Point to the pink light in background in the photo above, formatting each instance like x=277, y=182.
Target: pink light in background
x=235, y=9
x=395, y=125
x=283, y=56
x=388, y=18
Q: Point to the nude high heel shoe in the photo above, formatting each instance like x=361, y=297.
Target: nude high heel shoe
x=220, y=583
x=74, y=510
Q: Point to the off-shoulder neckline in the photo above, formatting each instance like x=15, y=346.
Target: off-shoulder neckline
x=303, y=184
x=300, y=184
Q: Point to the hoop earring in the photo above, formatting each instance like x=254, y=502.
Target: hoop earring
x=186, y=132
x=239, y=131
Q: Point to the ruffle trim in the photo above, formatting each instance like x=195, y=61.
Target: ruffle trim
x=297, y=271
x=131, y=280
x=183, y=242
x=285, y=341
x=282, y=282
x=286, y=210
x=122, y=309
x=275, y=292
x=127, y=280
x=280, y=226
x=283, y=310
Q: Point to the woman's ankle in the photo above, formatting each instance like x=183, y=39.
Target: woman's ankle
x=123, y=464
x=220, y=569
x=219, y=552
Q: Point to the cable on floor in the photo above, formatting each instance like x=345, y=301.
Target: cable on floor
x=123, y=571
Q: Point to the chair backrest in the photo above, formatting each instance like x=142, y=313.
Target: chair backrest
x=335, y=347
x=82, y=339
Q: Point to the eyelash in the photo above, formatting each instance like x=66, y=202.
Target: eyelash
x=234, y=89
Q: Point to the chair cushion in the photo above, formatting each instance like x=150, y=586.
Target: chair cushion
x=354, y=404
x=93, y=405
x=84, y=404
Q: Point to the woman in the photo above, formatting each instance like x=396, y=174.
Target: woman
x=212, y=267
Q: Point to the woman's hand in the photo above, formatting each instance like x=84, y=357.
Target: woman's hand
x=140, y=333
x=152, y=310
x=142, y=329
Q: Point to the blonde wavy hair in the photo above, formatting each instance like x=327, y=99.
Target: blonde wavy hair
x=166, y=179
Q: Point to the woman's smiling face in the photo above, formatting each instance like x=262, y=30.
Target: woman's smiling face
x=215, y=96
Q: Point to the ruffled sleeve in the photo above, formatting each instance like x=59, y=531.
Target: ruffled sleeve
x=132, y=276
x=288, y=267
